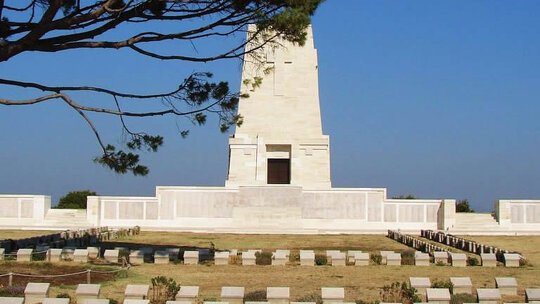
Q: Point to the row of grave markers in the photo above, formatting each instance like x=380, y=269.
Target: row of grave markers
x=69, y=238
x=464, y=244
x=442, y=257
x=35, y=293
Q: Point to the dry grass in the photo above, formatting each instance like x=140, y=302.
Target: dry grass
x=359, y=282
x=22, y=234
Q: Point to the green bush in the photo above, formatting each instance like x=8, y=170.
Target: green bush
x=443, y=284
x=461, y=298
x=255, y=296
x=163, y=289
x=407, y=257
x=294, y=257
x=472, y=261
x=376, y=258
x=74, y=200
x=263, y=258
x=321, y=259
x=399, y=293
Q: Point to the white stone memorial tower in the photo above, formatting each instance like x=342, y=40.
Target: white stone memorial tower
x=281, y=140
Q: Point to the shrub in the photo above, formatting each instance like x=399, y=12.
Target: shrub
x=440, y=263
x=12, y=291
x=313, y=297
x=255, y=296
x=443, y=284
x=320, y=259
x=163, y=289
x=463, y=206
x=263, y=258
x=399, y=293
x=524, y=262
x=376, y=258
x=461, y=298
x=407, y=257
x=472, y=261
x=113, y=301
x=64, y=296
x=74, y=200
x=294, y=257
x=235, y=260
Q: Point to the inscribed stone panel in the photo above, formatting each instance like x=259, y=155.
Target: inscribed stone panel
x=518, y=214
x=152, y=210
x=27, y=209
x=109, y=210
x=166, y=209
x=431, y=216
x=204, y=204
x=334, y=206
x=533, y=214
x=375, y=201
x=390, y=213
x=8, y=207
x=131, y=210
x=411, y=213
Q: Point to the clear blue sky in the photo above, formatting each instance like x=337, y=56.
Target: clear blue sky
x=440, y=99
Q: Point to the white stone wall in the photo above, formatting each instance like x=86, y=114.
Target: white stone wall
x=23, y=209
x=518, y=214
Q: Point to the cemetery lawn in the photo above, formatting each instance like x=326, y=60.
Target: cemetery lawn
x=360, y=282
x=21, y=234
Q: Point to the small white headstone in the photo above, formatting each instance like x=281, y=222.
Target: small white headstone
x=221, y=258
x=56, y=301
x=24, y=255
x=136, y=292
x=280, y=258
x=488, y=295
x=93, y=252
x=350, y=256
x=338, y=259
x=2, y=253
x=361, y=259
x=532, y=295
x=111, y=255
x=488, y=259
x=248, y=258
x=420, y=284
x=507, y=285
x=421, y=259
x=11, y=300
x=232, y=295
x=332, y=294
x=135, y=301
x=278, y=295
x=87, y=291
x=161, y=257
x=188, y=293
x=136, y=257
x=440, y=257
x=95, y=301
x=307, y=258
x=54, y=255
x=438, y=295
x=461, y=285
x=191, y=257
x=36, y=292
x=67, y=253
x=385, y=253
x=393, y=259
x=511, y=259
x=80, y=255
x=458, y=259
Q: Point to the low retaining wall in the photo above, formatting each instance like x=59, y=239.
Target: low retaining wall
x=23, y=210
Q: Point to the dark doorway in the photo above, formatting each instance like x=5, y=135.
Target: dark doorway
x=279, y=171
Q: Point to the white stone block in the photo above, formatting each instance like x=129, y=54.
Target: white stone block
x=161, y=257
x=506, y=285
x=511, y=259
x=256, y=302
x=339, y=259
x=179, y=302
x=307, y=258
x=488, y=260
x=87, y=291
x=303, y=302
x=93, y=252
x=248, y=258
x=80, y=255
x=188, y=294
x=136, y=257
x=2, y=253
x=420, y=284
x=532, y=295
x=280, y=258
x=440, y=257
x=361, y=259
x=350, y=255
x=11, y=300
x=111, y=255
x=393, y=259
x=136, y=301
x=488, y=295
x=421, y=259
x=385, y=253
x=285, y=252
x=191, y=257
x=67, y=253
x=458, y=259
x=461, y=285
x=332, y=294
x=136, y=292
x=278, y=295
x=215, y=302
x=232, y=294
x=438, y=295
x=54, y=255
x=24, y=255
x=221, y=258
x=55, y=301
x=94, y=301
x=36, y=292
